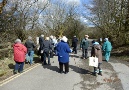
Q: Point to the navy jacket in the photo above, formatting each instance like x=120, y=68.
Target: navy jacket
x=74, y=42
x=46, y=46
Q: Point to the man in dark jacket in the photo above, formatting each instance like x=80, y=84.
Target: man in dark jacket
x=41, y=40
x=74, y=44
x=84, y=47
x=30, y=49
x=45, y=49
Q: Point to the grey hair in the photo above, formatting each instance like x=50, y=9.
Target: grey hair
x=42, y=35
x=17, y=41
x=47, y=38
x=30, y=37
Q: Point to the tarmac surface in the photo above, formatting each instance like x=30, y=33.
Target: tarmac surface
x=80, y=76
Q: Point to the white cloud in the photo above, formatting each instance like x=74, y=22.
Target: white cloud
x=72, y=2
x=83, y=19
x=43, y=1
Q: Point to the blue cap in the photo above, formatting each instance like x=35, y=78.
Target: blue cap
x=96, y=43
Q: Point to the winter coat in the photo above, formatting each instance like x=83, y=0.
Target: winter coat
x=97, y=52
x=46, y=46
x=30, y=45
x=84, y=44
x=41, y=40
x=74, y=42
x=63, y=51
x=107, y=46
x=19, y=52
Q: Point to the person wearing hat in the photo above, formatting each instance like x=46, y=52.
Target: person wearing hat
x=63, y=51
x=97, y=52
x=84, y=47
x=107, y=47
x=74, y=44
x=19, y=56
x=30, y=50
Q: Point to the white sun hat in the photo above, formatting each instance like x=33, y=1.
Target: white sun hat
x=64, y=39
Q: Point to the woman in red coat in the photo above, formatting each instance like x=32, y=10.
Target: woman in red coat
x=19, y=55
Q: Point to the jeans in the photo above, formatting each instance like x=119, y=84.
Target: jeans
x=84, y=53
x=30, y=56
x=19, y=66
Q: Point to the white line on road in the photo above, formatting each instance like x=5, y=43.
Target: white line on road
x=17, y=75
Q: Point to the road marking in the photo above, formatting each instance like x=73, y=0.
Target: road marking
x=17, y=75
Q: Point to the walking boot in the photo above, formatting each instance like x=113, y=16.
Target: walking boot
x=15, y=71
x=100, y=73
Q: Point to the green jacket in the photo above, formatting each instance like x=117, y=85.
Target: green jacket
x=107, y=46
x=84, y=44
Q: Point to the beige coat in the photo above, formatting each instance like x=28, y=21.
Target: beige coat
x=98, y=52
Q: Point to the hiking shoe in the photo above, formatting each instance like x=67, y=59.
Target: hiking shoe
x=45, y=64
x=66, y=72
x=61, y=72
x=15, y=72
x=100, y=73
x=49, y=64
x=20, y=71
x=95, y=74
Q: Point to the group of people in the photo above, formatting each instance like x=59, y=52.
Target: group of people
x=97, y=50
x=50, y=46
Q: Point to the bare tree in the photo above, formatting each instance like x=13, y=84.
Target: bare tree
x=110, y=16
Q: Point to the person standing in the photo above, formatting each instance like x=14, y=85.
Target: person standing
x=63, y=51
x=97, y=52
x=74, y=44
x=41, y=40
x=30, y=50
x=45, y=49
x=52, y=44
x=84, y=47
x=107, y=47
x=19, y=56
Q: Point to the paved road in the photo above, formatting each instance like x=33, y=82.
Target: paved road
x=47, y=78
x=80, y=77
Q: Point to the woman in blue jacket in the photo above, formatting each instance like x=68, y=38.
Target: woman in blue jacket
x=107, y=47
x=63, y=51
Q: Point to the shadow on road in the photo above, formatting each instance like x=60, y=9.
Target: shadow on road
x=76, y=56
x=53, y=68
x=80, y=70
x=11, y=66
x=37, y=60
x=74, y=68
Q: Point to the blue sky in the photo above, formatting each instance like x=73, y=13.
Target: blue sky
x=86, y=11
x=81, y=9
x=1, y=1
